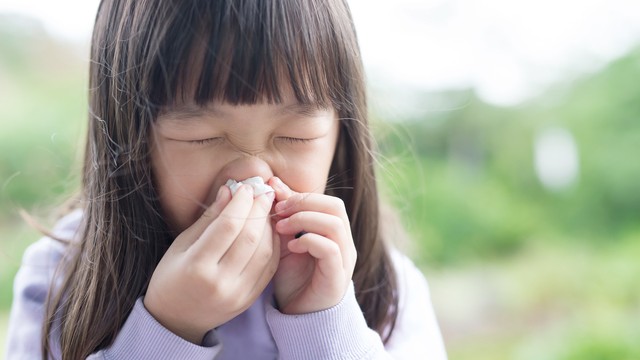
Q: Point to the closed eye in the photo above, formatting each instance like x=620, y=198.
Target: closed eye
x=294, y=140
x=208, y=141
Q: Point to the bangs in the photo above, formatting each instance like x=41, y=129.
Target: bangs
x=245, y=52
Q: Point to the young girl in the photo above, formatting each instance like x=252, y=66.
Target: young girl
x=161, y=260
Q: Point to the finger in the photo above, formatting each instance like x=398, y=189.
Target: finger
x=193, y=232
x=220, y=234
x=325, y=225
x=312, y=222
x=282, y=191
x=314, y=202
x=320, y=203
x=329, y=260
x=260, y=270
x=252, y=235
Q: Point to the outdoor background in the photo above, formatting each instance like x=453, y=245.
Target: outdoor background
x=508, y=133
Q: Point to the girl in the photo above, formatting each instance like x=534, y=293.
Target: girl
x=162, y=261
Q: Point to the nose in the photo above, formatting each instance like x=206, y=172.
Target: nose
x=245, y=167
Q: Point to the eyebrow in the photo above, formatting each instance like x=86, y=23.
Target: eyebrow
x=188, y=112
x=195, y=112
x=301, y=109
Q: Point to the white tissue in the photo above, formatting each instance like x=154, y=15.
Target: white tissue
x=259, y=187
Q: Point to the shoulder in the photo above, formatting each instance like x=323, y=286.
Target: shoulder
x=407, y=274
x=32, y=284
x=41, y=259
x=57, y=242
x=416, y=331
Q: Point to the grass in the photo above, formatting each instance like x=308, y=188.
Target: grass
x=562, y=302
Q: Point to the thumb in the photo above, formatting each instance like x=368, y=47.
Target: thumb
x=193, y=232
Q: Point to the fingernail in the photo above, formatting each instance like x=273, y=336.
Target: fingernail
x=278, y=183
x=219, y=195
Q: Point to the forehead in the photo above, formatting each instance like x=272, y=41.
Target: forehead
x=192, y=111
x=224, y=115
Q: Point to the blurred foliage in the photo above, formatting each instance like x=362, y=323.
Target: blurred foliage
x=560, y=302
x=479, y=195
x=42, y=108
x=517, y=271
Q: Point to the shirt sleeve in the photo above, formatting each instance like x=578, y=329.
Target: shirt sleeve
x=30, y=289
x=141, y=336
x=341, y=332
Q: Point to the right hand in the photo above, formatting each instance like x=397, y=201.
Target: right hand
x=217, y=267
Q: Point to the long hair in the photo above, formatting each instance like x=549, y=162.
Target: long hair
x=147, y=54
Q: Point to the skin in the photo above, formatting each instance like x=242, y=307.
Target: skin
x=228, y=248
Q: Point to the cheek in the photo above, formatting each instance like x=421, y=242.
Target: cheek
x=185, y=186
x=304, y=178
x=309, y=171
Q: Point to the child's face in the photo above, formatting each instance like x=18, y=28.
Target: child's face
x=196, y=150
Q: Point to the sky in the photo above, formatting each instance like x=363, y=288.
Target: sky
x=507, y=50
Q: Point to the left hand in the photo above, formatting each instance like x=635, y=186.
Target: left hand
x=315, y=269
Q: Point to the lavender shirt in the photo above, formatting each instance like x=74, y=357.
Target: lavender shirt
x=261, y=332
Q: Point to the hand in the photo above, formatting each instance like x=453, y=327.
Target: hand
x=315, y=269
x=217, y=267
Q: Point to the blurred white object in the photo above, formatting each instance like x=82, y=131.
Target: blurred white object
x=556, y=158
x=259, y=187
